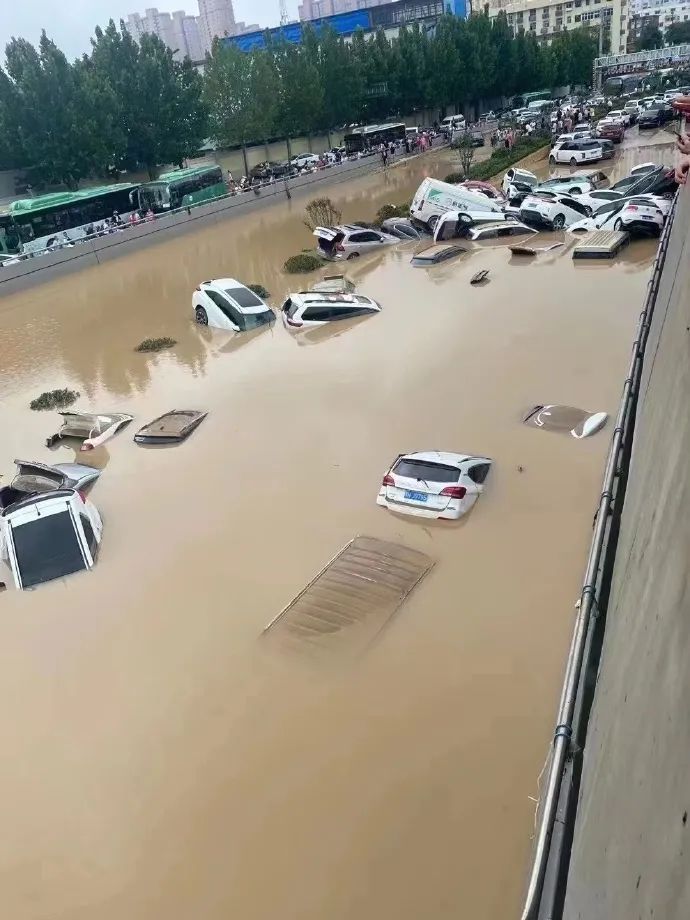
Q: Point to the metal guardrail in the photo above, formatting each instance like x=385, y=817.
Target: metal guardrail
x=576, y=663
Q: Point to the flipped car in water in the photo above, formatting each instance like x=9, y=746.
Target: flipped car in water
x=92, y=429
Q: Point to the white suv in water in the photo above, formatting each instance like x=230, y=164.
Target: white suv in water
x=49, y=535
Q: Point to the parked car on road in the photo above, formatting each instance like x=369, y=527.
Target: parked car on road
x=577, y=151
x=655, y=116
x=228, y=304
x=348, y=241
x=611, y=130
x=434, y=484
x=270, y=169
x=305, y=161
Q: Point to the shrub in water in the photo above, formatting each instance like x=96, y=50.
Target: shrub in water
x=392, y=210
x=305, y=262
x=156, y=344
x=54, y=399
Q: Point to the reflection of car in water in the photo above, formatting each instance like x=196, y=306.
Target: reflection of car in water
x=434, y=484
x=229, y=304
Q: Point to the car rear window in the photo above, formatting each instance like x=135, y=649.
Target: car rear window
x=47, y=548
x=244, y=297
x=425, y=469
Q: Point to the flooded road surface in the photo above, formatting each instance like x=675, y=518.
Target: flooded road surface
x=159, y=759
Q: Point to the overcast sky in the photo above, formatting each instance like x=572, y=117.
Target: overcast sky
x=70, y=23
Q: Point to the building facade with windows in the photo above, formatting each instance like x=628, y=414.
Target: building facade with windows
x=666, y=11
x=546, y=18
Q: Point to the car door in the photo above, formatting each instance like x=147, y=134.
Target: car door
x=363, y=241
x=477, y=471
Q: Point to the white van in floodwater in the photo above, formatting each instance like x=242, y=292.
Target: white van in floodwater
x=434, y=198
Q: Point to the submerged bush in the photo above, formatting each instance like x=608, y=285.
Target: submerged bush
x=259, y=290
x=54, y=399
x=156, y=344
x=392, y=210
x=305, y=262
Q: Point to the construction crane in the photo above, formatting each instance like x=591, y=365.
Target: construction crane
x=283, y=13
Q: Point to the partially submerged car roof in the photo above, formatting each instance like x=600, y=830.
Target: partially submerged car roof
x=435, y=253
x=500, y=228
x=333, y=284
x=351, y=599
x=579, y=422
x=171, y=428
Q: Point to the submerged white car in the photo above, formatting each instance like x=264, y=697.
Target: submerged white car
x=312, y=308
x=228, y=304
x=636, y=215
x=455, y=224
x=434, y=484
x=552, y=210
x=47, y=535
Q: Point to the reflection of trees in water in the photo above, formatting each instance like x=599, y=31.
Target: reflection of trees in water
x=113, y=307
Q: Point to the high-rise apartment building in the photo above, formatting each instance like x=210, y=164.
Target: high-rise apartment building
x=545, y=18
x=216, y=17
x=315, y=9
x=188, y=36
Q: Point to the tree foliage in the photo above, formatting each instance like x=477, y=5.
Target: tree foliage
x=678, y=33
x=650, y=37
x=130, y=104
x=123, y=106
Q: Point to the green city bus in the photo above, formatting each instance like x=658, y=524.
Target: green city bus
x=182, y=188
x=31, y=224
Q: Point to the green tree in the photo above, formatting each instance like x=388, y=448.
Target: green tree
x=12, y=154
x=301, y=93
x=678, y=33
x=55, y=126
x=158, y=104
x=340, y=79
x=650, y=37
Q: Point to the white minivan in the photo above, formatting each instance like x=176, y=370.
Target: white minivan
x=452, y=123
x=434, y=198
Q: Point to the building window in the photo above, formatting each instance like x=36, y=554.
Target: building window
x=578, y=19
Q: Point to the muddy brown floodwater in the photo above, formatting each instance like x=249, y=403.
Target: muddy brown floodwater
x=159, y=759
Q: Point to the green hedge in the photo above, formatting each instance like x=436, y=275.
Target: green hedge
x=502, y=158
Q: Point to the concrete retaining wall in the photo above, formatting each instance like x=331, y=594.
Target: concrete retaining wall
x=631, y=851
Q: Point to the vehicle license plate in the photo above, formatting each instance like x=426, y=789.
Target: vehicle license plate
x=416, y=496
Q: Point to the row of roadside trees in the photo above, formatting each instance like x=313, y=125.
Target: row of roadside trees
x=128, y=105
x=651, y=36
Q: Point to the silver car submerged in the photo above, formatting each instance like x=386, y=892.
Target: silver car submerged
x=349, y=241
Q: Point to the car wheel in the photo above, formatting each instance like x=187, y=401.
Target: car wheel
x=558, y=222
x=353, y=255
x=431, y=223
x=201, y=316
x=618, y=225
x=573, y=161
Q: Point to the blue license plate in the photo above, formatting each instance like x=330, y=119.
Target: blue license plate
x=416, y=496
